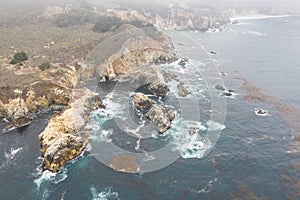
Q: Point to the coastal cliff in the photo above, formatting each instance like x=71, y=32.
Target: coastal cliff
x=138, y=49
x=27, y=90
x=65, y=138
x=177, y=18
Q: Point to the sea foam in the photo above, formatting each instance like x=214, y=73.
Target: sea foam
x=105, y=194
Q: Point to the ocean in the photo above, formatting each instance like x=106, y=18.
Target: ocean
x=236, y=154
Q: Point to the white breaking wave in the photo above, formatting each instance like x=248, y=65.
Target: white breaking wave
x=190, y=146
x=105, y=194
x=46, y=178
x=256, y=33
x=257, y=17
x=101, y=115
x=13, y=152
x=215, y=126
x=50, y=177
x=197, y=144
x=9, y=156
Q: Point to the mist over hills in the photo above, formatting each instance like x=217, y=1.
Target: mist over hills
x=23, y=9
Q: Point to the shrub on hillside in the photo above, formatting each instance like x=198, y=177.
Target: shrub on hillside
x=106, y=23
x=79, y=16
x=19, y=57
x=44, y=66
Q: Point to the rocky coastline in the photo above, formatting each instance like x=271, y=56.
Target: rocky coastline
x=60, y=88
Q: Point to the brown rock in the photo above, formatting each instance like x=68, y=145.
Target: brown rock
x=161, y=117
x=182, y=90
x=126, y=163
x=159, y=88
x=142, y=102
x=64, y=137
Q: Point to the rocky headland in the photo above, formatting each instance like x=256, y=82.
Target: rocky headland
x=28, y=89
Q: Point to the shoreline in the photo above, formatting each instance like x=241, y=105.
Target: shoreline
x=249, y=17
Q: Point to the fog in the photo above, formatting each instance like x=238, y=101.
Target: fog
x=14, y=9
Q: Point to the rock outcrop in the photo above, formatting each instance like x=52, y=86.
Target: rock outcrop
x=161, y=117
x=34, y=91
x=182, y=90
x=159, y=88
x=137, y=49
x=142, y=102
x=178, y=18
x=65, y=138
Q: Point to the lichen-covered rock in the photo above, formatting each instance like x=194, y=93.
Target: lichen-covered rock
x=142, y=102
x=64, y=138
x=161, y=117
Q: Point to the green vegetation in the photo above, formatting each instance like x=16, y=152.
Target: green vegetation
x=137, y=23
x=44, y=66
x=19, y=57
x=106, y=23
x=78, y=16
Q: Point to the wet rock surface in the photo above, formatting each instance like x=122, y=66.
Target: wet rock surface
x=142, y=102
x=159, y=88
x=182, y=90
x=161, y=117
x=34, y=91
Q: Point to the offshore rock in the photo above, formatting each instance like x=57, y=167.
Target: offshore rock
x=142, y=102
x=65, y=138
x=220, y=87
x=159, y=88
x=182, y=90
x=161, y=117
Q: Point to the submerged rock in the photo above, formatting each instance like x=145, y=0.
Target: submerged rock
x=64, y=138
x=183, y=62
x=192, y=131
x=142, y=102
x=220, y=87
x=161, y=117
x=227, y=94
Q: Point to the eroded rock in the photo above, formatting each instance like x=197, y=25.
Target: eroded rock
x=34, y=91
x=142, y=102
x=220, y=87
x=182, y=90
x=135, y=49
x=159, y=88
x=64, y=138
x=161, y=117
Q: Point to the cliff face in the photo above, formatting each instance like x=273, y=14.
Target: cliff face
x=65, y=138
x=28, y=90
x=143, y=47
x=177, y=18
